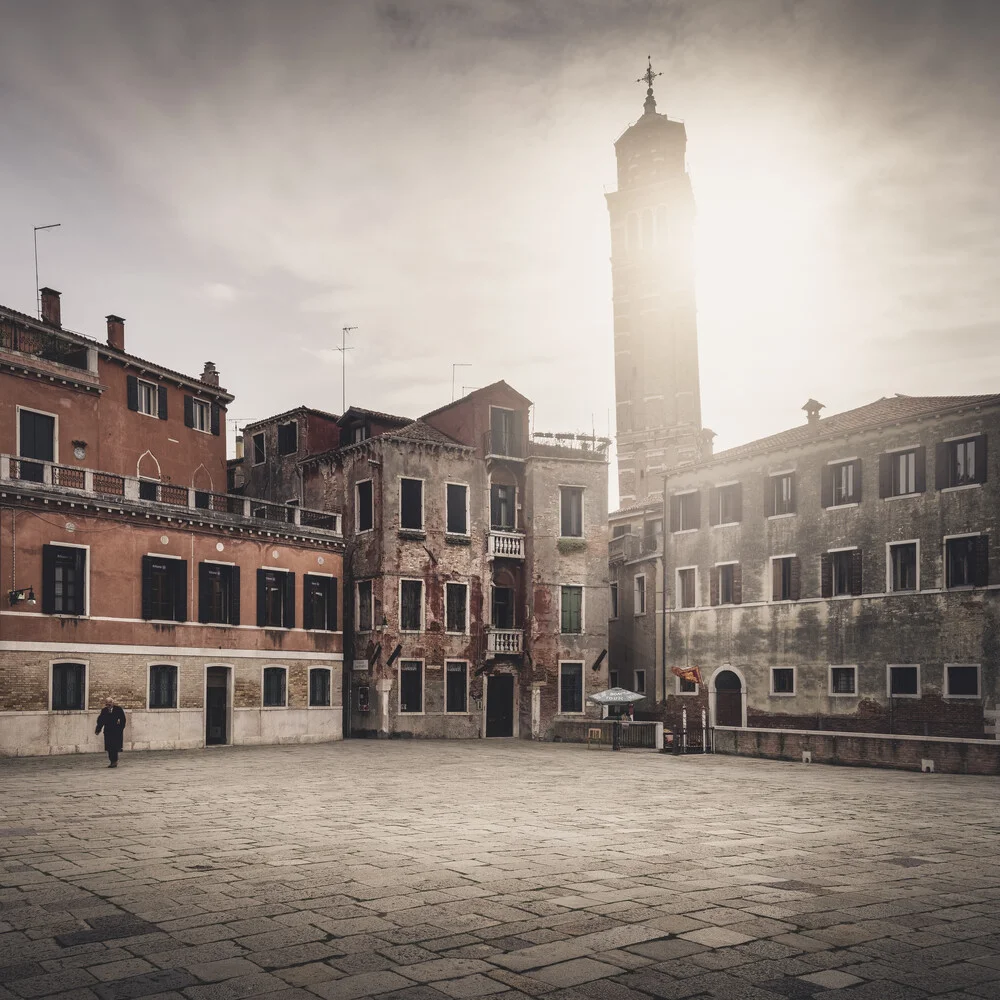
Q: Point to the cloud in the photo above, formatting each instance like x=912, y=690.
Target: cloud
x=218, y=291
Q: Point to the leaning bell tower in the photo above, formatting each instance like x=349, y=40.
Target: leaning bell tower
x=658, y=403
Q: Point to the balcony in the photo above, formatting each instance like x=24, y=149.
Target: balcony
x=504, y=444
x=624, y=548
x=504, y=640
x=48, y=476
x=506, y=545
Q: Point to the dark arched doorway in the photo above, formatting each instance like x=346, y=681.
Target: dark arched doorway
x=728, y=699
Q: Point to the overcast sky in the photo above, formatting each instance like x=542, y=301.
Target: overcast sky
x=242, y=179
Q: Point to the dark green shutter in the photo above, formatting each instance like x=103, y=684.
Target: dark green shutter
x=942, y=470
x=713, y=505
x=885, y=475
x=331, y=606
x=288, y=616
x=215, y=419
x=856, y=497
x=309, y=585
x=203, y=589
x=980, y=476
x=856, y=566
x=188, y=411
x=920, y=469
x=161, y=402
x=826, y=575
x=48, y=579
x=261, y=602
x=234, y=595
x=147, y=587
x=826, y=490
x=180, y=589
x=796, y=579
x=982, y=569
x=133, y=392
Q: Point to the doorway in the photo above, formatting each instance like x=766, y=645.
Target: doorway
x=500, y=705
x=36, y=439
x=728, y=699
x=217, y=706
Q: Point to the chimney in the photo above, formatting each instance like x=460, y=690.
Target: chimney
x=707, y=439
x=116, y=332
x=239, y=446
x=210, y=376
x=812, y=409
x=51, y=311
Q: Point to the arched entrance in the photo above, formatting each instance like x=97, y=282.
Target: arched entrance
x=728, y=690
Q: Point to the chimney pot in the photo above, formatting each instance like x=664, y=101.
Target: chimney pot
x=116, y=332
x=51, y=309
x=812, y=408
x=210, y=376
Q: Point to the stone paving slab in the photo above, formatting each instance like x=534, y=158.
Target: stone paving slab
x=427, y=870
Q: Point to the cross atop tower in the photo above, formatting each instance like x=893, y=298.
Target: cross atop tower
x=649, y=107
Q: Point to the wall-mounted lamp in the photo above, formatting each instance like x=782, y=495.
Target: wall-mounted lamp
x=24, y=594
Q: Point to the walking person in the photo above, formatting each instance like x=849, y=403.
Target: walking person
x=112, y=721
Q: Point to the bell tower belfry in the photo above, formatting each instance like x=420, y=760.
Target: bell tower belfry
x=658, y=402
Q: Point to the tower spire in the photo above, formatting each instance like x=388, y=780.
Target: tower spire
x=649, y=107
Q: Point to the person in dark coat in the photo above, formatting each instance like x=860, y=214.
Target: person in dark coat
x=112, y=721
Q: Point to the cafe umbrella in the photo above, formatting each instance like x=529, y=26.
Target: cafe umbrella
x=615, y=696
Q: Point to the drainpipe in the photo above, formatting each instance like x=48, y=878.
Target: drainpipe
x=663, y=588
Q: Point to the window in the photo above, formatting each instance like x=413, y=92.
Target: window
x=903, y=566
x=198, y=414
x=456, y=674
x=457, y=522
x=613, y=678
x=961, y=681
x=504, y=438
x=411, y=605
x=358, y=433
x=786, y=578
x=782, y=680
x=275, y=687
x=726, y=584
x=687, y=587
x=640, y=681
x=149, y=489
x=502, y=507
x=411, y=686
x=571, y=607
x=164, y=589
x=967, y=561
x=614, y=601
x=570, y=687
x=36, y=439
x=275, y=599
x=639, y=595
x=842, y=483
x=259, y=452
x=781, y=493
x=841, y=573
x=163, y=686
x=902, y=473
x=319, y=687
x=146, y=397
x=843, y=681
x=288, y=438
x=218, y=593
x=571, y=511
x=684, y=686
x=903, y=680
x=69, y=687
x=961, y=463
x=411, y=505
x=727, y=504
x=64, y=580
x=685, y=512
x=319, y=602
x=364, y=506
x=503, y=607
x=456, y=600
x=363, y=615
x=621, y=529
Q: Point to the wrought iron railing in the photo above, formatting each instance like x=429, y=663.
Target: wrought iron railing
x=18, y=336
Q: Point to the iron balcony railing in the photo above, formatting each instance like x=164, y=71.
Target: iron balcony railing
x=505, y=640
x=130, y=488
x=18, y=336
x=506, y=544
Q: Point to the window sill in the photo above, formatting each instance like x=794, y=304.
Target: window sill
x=412, y=534
x=904, y=496
x=782, y=694
x=327, y=707
x=843, y=506
x=402, y=712
x=963, y=697
x=962, y=486
x=726, y=524
x=685, y=531
x=273, y=708
x=833, y=694
x=911, y=696
x=778, y=517
x=687, y=694
x=464, y=634
x=411, y=631
x=457, y=539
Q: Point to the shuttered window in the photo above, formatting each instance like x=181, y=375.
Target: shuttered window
x=780, y=491
x=571, y=511
x=726, y=584
x=411, y=605
x=960, y=463
x=457, y=518
x=288, y=438
x=364, y=606
x=275, y=599
x=571, y=605
x=456, y=600
x=570, y=687
x=967, y=561
x=726, y=504
x=411, y=505
x=319, y=602
x=841, y=573
x=786, y=579
x=685, y=512
x=64, y=580
x=902, y=473
x=164, y=589
x=218, y=594
x=841, y=483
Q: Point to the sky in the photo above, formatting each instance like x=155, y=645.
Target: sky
x=240, y=180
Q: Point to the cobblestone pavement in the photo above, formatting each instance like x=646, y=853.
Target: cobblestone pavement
x=424, y=870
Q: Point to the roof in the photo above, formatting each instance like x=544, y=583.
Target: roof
x=291, y=413
x=887, y=410
x=116, y=353
x=651, y=501
x=477, y=392
x=360, y=411
x=419, y=431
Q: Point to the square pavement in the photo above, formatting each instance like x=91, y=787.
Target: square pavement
x=413, y=870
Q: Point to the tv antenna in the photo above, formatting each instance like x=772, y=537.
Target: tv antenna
x=38, y=296
x=453, y=367
x=343, y=349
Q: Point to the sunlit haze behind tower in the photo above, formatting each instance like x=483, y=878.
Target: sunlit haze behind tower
x=241, y=180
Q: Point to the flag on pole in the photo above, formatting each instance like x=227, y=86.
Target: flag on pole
x=690, y=674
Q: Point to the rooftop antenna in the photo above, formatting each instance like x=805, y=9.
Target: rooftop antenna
x=38, y=297
x=459, y=364
x=344, y=331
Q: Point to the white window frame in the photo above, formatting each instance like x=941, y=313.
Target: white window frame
x=468, y=696
x=889, y=667
x=795, y=681
x=718, y=566
x=583, y=608
x=583, y=507
x=583, y=687
x=399, y=606
x=69, y=658
x=682, y=530
x=829, y=678
x=635, y=680
x=447, y=584
x=889, y=546
x=468, y=511
x=309, y=704
x=685, y=694
x=771, y=562
x=615, y=607
x=770, y=500
x=86, y=588
x=149, y=678
x=155, y=386
x=677, y=588
x=357, y=507
x=963, y=697
x=423, y=685
x=399, y=511
x=635, y=595
x=833, y=495
x=357, y=606
x=903, y=496
x=944, y=559
x=961, y=486
x=718, y=497
x=55, y=445
x=833, y=572
x=253, y=448
x=273, y=666
x=200, y=406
